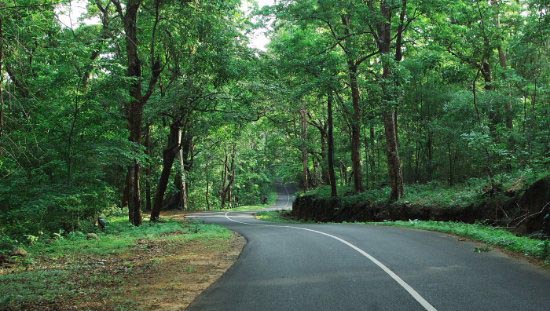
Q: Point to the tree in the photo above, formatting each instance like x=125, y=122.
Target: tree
x=134, y=109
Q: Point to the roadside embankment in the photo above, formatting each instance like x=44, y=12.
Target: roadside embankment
x=526, y=211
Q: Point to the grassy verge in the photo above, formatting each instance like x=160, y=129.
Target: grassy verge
x=534, y=248
x=80, y=270
x=277, y=216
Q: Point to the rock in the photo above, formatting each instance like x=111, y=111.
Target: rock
x=19, y=252
x=92, y=236
x=173, y=202
x=101, y=223
x=535, y=206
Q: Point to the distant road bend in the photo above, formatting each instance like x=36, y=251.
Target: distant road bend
x=362, y=267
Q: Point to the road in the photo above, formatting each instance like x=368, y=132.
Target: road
x=363, y=267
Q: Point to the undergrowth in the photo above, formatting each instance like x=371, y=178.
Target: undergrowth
x=470, y=192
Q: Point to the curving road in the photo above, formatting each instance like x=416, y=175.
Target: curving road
x=361, y=267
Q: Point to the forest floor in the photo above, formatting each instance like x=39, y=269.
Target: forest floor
x=161, y=266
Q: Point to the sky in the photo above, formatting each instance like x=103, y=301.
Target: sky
x=258, y=38
x=69, y=16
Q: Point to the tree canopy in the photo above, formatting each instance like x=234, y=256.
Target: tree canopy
x=150, y=104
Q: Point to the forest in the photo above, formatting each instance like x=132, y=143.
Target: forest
x=143, y=105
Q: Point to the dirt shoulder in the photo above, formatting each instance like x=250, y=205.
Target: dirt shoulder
x=174, y=280
x=164, y=268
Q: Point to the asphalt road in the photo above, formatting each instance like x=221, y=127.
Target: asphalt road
x=362, y=267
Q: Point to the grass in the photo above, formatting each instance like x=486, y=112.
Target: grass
x=276, y=216
x=120, y=235
x=502, y=238
x=72, y=267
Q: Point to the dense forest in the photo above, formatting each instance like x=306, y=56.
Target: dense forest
x=148, y=104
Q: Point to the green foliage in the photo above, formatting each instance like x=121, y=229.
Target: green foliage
x=470, y=94
x=119, y=236
x=24, y=285
x=276, y=216
x=436, y=194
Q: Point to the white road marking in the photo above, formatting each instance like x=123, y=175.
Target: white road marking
x=423, y=302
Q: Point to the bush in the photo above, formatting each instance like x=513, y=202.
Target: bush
x=52, y=210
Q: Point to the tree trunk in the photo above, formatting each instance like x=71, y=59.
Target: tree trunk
x=125, y=192
x=183, y=174
x=148, y=146
x=324, y=168
x=134, y=109
x=430, y=149
x=487, y=74
x=134, y=204
x=451, y=168
x=389, y=114
x=303, y=120
x=368, y=172
x=330, y=154
x=168, y=157
x=503, y=64
x=356, y=100
x=207, y=192
x=231, y=196
x=355, y=129
x=228, y=177
x=134, y=200
x=374, y=154
x=224, y=180
x=394, y=164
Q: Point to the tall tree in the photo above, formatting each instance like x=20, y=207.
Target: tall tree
x=134, y=109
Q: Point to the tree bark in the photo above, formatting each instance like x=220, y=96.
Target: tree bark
x=355, y=129
x=356, y=117
x=503, y=64
x=207, y=175
x=389, y=115
x=183, y=174
x=168, y=157
x=135, y=107
x=374, y=154
x=330, y=154
x=394, y=163
x=303, y=134
x=487, y=74
x=225, y=172
x=324, y=169
x=228, y=177
x=148, y=146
